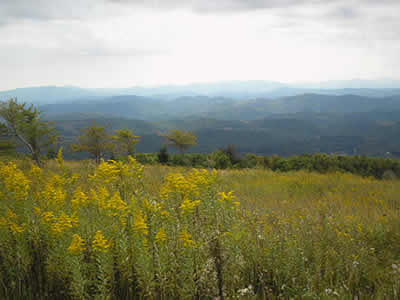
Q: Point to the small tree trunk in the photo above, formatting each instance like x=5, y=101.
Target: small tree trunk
x=36, y=158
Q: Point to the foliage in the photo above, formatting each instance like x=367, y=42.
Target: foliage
x=181, y=139
x=146, y=158
x=25, y=124
x=7, y=148
x=51, y=153
x=233, y=154
x=222, y=160
x=119, y=231
x=163, y=155
x=94, y=140
x=125, y=141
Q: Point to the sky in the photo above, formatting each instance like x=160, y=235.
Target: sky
x=124, y=43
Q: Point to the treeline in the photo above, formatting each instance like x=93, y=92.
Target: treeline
x=23, y=126
x=380, y=168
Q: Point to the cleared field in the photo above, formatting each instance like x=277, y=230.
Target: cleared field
x=74, y=230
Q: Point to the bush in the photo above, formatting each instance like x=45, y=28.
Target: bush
x=222, y=160
x=163, y=155
x=146, y=158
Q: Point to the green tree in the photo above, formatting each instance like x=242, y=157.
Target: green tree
x=181, y=139
x=95, y=140
x=125, y=141
x=7, y=148
x=25, y=124
x=163, y=155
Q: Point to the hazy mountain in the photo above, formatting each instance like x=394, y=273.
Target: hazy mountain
x=365, y=92
x=238, y=90
x=150, y=109
x=284, y=134
x=354, y=84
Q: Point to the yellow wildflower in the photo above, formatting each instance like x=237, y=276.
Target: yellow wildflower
x=15, y=182
x=53, y=192
x=177, y=184
x=100, y=196
x=36, y=173
x=11, y=221
x=60, y=158
x=16, y=228
x=64, y=222
x=48, y=216
x=228, y=198
x=116, y=205
x=105, y=173
x=140, y=223
x=79, y=199
x=77, y=245
x=100, y=243
x=189, y=206
x=164, y=213
x=186, y=238
x=161, y=236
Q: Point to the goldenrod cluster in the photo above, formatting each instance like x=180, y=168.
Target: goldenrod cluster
x=64, y=222
x=179, y=185
x=100, y=243
x=79, y=199
x=140, y=223
x=11, y=222
x=60, y=158
x=77, y=245
x=115, y=171
x=189, y=206
x=228, y=198
x=53, y=193
x=16, y=185
x=161, y=236
x=186, y=238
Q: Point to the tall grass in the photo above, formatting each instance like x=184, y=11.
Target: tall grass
x=74, y=230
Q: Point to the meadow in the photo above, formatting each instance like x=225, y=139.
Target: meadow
x=121, y=230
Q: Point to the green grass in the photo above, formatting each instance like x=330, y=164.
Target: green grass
x=294, y=235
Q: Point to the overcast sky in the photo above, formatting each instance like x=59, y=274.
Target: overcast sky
x=123, y=43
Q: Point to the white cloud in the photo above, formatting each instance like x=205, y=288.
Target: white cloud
x=122, y=43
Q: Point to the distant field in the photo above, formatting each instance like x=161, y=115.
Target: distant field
x=74, y=230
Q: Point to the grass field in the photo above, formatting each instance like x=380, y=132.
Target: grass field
x=74, y=230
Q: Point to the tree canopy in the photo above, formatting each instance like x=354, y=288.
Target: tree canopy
x=181, y=139
x=25, y=125
x=125, y=141
x=94, y=140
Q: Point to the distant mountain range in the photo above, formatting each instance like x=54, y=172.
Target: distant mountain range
x=238, y=90
x=150, y=109
x=257, y=116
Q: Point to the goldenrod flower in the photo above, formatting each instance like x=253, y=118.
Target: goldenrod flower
x=100, y=243
x=77, y=245
x=161, y=236
x=53, y=193
x=99, y=196
x=188, y=206
x=15, y=181
x=140, y=223
x=64, y=222
x=11, y=221
x=228, y=198
x=60, y=158
x=79, y=199
x=48, y=216
x=177, y=184
x=185, y=237
x=116, y=205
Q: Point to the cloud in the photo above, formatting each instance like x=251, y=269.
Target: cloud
x=159, y=41
x=216, y=6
